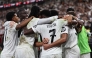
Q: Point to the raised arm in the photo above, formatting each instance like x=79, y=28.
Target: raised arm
x=23, y=23
x=47, y=20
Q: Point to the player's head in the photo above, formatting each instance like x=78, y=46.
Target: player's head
x=53, y=12
x=12, y=16
x=71, y=11
x=34, y=11
x=44, y=13
x=9, y=16
x=22, y=13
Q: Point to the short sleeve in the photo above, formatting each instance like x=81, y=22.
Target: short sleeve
x=62, y=22
x=32, y=23
x=10, y=24
x=64, y=29
x=37, y=28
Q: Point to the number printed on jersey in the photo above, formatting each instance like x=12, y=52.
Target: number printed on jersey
x=63, y=29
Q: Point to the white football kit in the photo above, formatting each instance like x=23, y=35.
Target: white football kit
x=52, y=32
x=10, y=40
x=25, y=46
x=71, y=49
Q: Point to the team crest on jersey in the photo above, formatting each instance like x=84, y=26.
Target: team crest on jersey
x=63, y=29
x=34, y=26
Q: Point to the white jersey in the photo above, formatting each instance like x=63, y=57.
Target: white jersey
x=51, y=31
x=35, y=21
x=10, y=38
x=72, y=37
x=27, y=41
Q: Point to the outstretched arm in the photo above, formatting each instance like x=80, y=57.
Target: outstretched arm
x=23, y=23
x=56, y=43
x=47, y=20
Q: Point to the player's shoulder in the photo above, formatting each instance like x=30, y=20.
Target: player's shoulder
x=9, y=23
x=32, y=22
x=35, y=19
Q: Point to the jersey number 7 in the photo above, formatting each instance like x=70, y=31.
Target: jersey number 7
x=53, y=34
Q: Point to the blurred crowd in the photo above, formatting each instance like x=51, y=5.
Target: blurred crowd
x=11, y=1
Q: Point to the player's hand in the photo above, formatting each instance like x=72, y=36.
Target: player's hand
x=46, y=46
x=75, y=17
x=67, y=17
x=31, y=17
x=12, y=24
x=45, y=40
x=59, y=16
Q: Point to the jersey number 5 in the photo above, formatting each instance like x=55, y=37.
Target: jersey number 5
x=53, y=34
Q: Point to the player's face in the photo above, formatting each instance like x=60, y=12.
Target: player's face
x=16, y=18
x=24, y=14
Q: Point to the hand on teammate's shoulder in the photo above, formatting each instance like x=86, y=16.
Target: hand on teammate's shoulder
x=32, y=17
x=12, y=24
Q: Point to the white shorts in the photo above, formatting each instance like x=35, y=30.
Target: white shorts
x=87, y=55
x=72, y=52
x=52, y=56
x=24, y=51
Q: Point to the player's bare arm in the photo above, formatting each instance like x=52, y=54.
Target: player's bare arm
x=39, y=44
x=23, y=23
x=60, y=41
x=28, y=31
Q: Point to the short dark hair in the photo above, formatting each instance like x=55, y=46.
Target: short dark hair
x=53, y=12
x=34, y=11
x=45, y=12
x=9, y=16
x=70, y=10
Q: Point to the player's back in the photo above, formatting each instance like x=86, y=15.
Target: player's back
x=52, y=32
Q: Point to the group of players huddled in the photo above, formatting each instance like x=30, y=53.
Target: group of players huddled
x=44, y=34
